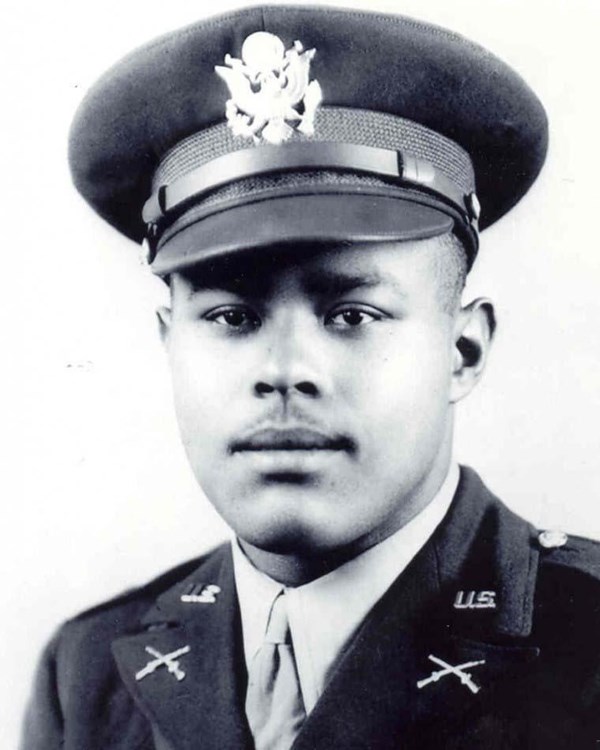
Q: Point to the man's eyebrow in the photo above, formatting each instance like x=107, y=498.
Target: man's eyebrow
x=315, y=282
x=239, y=284
x=340, y=282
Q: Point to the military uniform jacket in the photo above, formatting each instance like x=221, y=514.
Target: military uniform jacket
x=518, y=623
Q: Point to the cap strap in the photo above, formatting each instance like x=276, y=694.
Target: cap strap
x=175, y=197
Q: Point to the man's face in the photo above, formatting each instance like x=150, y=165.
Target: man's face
x=314, y=394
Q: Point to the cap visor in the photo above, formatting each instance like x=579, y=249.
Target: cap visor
x=299, y=219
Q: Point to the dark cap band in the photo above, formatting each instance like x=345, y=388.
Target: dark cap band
x=402, y=156
x=171, y=200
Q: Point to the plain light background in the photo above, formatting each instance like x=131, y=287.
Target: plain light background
x=96, y=492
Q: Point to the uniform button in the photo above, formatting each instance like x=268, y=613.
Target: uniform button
x=551, y=538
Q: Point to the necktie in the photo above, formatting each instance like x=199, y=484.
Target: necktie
x=274, y=704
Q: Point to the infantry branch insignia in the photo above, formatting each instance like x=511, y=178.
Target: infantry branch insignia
x=448, y=669
x=269, y=88
x=170, y=661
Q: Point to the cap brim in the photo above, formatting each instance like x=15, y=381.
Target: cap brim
x=299, y=219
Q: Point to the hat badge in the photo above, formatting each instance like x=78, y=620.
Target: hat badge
x=271, y=94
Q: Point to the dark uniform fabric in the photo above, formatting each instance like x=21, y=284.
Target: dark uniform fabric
x=538, y=685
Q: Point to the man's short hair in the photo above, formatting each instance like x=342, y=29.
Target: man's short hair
x=451, y=267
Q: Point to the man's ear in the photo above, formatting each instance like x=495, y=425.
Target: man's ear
x=473, y=334
x=163, y=316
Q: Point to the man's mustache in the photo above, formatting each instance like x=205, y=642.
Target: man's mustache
x=291, y=436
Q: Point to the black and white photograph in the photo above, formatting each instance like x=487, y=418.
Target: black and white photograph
x=301, y=385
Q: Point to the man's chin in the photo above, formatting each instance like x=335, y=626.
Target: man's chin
x=299, y=519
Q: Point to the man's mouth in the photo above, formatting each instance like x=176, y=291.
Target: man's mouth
x=292, y=439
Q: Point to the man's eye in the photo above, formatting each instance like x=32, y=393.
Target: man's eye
x=236, y=318
x=352, y=317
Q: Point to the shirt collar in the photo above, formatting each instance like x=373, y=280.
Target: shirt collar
x=325, y=613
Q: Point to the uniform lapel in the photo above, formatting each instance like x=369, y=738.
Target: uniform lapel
x=195, y=698
x=383, y=695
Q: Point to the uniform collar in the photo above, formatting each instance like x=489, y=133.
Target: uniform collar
x=325, y=613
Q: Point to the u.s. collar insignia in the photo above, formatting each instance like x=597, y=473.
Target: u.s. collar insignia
x=475, y=600
x=201, y=593
x=269, y=88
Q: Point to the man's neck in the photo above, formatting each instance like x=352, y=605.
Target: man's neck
x=295, y=569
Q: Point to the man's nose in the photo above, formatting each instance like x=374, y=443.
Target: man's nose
x=293, y=363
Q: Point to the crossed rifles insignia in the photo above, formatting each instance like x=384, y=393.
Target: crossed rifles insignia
x=164, y=660
x=457, y=671
x=269, y=87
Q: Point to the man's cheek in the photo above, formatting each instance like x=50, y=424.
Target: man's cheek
x=197, y=378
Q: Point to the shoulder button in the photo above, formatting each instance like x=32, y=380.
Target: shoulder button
x=552, y=538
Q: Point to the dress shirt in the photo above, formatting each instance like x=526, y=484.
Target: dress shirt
x=325, y=613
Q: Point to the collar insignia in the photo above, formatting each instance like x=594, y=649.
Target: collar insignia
x=200, y=593
x=163, y=660
x=269, y=88
x=457, y=671
x=475, y=600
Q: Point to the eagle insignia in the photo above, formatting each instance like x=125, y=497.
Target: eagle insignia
x=271, y=94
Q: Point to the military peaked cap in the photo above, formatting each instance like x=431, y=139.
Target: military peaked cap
x=284, y=125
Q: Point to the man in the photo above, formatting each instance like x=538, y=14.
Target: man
x=308, y=181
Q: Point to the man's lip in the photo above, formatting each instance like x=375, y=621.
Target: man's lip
x=292, y=439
